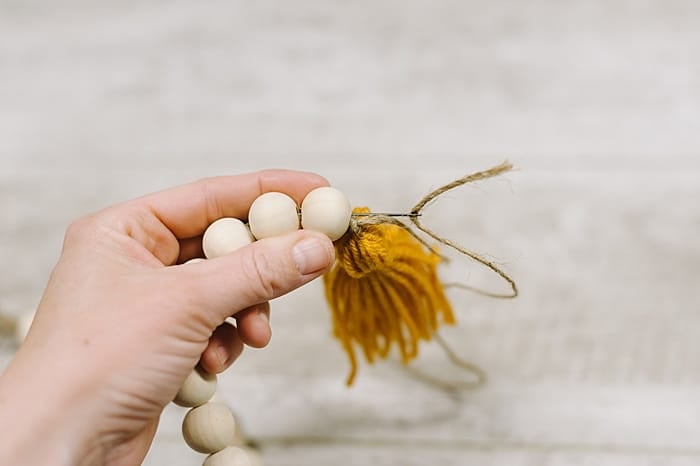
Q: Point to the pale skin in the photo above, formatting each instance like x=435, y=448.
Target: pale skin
x=121, y=323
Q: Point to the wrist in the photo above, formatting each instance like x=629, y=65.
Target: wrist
x=37, y=415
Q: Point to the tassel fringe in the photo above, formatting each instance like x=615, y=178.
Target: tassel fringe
x=384, y=291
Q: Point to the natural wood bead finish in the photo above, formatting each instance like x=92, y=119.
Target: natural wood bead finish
x=196, y=260
x=326, y=210
x=273, y=214
x=24, y=322
x=234, y=456
x=225, y=236
x=209, y=428
x=197, y=389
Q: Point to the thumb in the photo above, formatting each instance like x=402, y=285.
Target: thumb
x=259, y=272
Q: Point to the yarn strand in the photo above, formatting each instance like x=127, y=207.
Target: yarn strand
x=384, y=291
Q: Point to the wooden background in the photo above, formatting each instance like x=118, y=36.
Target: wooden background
x=597, y=103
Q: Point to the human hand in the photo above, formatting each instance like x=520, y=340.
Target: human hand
x=120, y=325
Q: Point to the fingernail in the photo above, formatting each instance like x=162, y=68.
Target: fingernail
x=311, y=255
x=262, y=315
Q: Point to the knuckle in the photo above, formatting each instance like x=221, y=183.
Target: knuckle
x=212, y=207
x=78, y=229
x=264, y=177
x=266, y=173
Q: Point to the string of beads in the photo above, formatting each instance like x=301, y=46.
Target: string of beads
x=383, y=293
x=209, y=426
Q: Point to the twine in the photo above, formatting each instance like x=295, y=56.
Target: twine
x=415, y=219
x=360, y=219
x=361, y=257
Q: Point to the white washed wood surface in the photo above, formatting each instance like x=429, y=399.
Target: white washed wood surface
x=597, y=103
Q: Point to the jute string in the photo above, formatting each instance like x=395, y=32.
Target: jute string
x=364, y=315
x=414, y=216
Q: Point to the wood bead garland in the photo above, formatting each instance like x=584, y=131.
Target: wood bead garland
x=326, y=210
x=195, y=260
x=383, y=271
x=198, y=388
x=16, y=327
x=273, y=214
x=209, y=428
x=225, y=236
x=24, y=323
x=234, y=456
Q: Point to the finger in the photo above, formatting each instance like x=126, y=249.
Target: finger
x=253, y=274
x=188, y=210
x=254, y=325
x=225, y=345
x=190, y=248
x=158, y=220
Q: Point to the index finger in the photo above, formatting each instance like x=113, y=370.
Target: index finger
x=189, y=209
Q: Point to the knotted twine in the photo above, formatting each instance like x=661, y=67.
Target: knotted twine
x=384, y=290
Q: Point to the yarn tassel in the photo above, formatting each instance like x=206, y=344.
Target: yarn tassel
x=383, y=291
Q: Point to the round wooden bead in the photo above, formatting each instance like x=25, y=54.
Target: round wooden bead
x=24, y=322
x=195, y=260
x=326, y=210
x=197, y=389
x=209, y=428
x=225, y=236
x=273, y=214
x=234, y=456
x=254, y=457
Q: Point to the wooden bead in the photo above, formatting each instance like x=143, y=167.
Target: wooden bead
x=234, y=456
x=225, y=236
x=326, y=210
x=24, y=322
x=195, y=260
x=209, y=428
x=197, y=389
x=254, y=457
x=273, y=214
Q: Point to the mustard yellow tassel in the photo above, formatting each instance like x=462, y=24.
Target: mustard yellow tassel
x=383, y=291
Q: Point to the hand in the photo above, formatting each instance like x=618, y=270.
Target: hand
x=121, y=325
